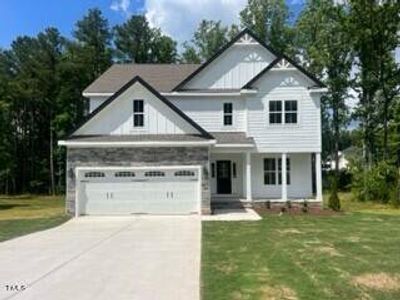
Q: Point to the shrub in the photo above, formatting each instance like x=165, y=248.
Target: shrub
x=375, y=184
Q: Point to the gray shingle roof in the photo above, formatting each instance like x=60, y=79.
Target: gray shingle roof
x=232, y=138
x=163, y=77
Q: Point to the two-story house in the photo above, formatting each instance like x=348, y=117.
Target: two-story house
x=174, y=139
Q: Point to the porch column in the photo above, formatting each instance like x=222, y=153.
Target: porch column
x=284, y=177
x=248, y=176
x=318, y=175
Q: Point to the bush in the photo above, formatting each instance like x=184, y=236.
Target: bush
x=375, y=184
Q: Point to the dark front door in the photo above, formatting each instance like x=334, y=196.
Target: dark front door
x=224, y=181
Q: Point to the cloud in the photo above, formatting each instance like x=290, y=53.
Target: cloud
x=179, y=18
x=121, y=6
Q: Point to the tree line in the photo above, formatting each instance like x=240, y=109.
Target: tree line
x=349, y=46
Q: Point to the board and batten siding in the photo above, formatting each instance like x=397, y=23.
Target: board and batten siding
x=233, y=68
x=95, y=102
x=300, y=177
x=208, y=111
x=305, y=136
x=117, y=117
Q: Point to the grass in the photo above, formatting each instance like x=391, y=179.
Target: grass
x=21, y=215
x=354, y=255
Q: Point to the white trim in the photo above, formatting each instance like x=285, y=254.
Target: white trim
x=194, y=167
x=133, y=144
x=88, y=95
x=320, y=90
x=182, y=94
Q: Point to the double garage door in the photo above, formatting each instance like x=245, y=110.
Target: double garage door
x=138, y=191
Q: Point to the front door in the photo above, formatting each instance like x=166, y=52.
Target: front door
x=224, y=181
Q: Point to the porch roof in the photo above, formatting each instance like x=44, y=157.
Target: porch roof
x=233, y=139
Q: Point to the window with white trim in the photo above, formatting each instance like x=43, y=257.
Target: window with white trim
x=269, y=171
x=228, y=114
x=154, y=174
x=138, y=113
x=94, y=174
x=283, y=112
x=273, y=171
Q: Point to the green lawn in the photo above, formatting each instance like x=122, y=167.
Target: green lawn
x=26, y=214
x=355, y=255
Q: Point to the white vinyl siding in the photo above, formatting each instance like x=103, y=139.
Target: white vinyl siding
x=208, y=111
x=303, y=136
x=95, y=102
x=300, y=176
x=233, y=68
x=117, y=117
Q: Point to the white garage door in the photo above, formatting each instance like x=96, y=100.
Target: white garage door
x=136, y=191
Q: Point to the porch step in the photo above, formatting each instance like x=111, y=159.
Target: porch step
x=230, y=204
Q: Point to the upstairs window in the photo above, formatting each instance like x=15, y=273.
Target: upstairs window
x=290, y=111
x=275, y=112
x=154, y=174
x=138, y=113
x=228, y=114
x=283, y=112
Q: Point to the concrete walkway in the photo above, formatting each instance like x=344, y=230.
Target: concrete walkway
x=237, y=214
x=105, y=258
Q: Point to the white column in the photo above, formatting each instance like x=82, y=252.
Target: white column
x=284, y=177
x=244, y=177
x=318, y=175
x=248, y=176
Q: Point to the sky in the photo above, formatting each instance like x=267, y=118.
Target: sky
x=177, y=18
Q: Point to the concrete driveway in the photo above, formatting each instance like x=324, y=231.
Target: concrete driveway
x=143, y=257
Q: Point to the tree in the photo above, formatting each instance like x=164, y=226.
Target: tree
x=137, y=42
x=269, y=20
x=209, y=37
x=332, y=57
x=94, y=40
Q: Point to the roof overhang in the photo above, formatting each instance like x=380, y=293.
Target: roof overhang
x=185, y=93
x=87, y=144
x=318, y=90
x=234, y=145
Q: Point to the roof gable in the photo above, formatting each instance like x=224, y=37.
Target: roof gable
x=186, y=124
x=249, y=38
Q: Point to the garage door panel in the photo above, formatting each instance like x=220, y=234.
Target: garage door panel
x=169, y=194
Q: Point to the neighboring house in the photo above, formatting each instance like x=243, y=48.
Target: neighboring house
x=331, y=163
x=174, y=139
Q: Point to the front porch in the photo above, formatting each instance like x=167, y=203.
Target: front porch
x=245, y=178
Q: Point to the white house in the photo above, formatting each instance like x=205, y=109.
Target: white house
x=175, y=139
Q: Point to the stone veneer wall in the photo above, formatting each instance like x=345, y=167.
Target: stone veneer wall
x=137, y=157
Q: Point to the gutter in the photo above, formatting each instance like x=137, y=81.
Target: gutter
x=79, y=144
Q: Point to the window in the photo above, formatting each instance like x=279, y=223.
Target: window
x=290, y=112
x=124, y=174
x=228, y=114
x=275, y=112
x=154, y=174
x=269, y=171
x=212, y=170
x=287, y=171
x=94, y=174
x=184, y=173
x=138, y=113
x=279, y=114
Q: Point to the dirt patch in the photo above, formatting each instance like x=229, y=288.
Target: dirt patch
x=290, y=231
x=328, y=250
x=378, y=281
x=277, y=293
